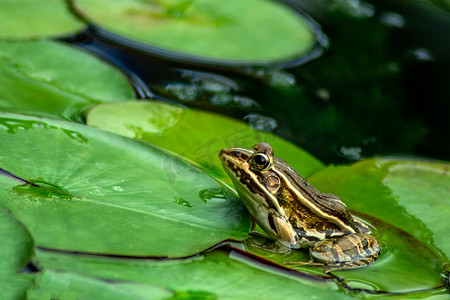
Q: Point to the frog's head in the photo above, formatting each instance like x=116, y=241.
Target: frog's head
x=247, y=169
x=257, y=184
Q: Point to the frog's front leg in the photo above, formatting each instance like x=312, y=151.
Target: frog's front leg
x=263, y=242
x=346, y=252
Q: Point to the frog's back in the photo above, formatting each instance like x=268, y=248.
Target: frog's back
x=313, y=208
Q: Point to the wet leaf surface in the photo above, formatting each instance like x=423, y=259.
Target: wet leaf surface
x=83, y=189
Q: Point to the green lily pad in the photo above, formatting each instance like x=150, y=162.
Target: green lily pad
x=52, y=79
x=256, y=31
x=17, y=245
x=31, y=19
x=411, y=195
x=193, y=134
x=65, y=285
x=16, y=249
x=82, y=189
x=216, y=275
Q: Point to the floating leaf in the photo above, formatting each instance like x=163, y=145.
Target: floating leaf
x=193, y=134
x=66, y=285
x=52, y=79
x=16, y=246
x=31, y=19
x=423, y=189
x=239, y=31
x=81, y=189
x=16, y=249
x=215, y=275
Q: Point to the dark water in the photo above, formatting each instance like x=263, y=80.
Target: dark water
x=379, y=87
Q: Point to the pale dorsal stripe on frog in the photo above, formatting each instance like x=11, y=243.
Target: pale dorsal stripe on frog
x=312, y=205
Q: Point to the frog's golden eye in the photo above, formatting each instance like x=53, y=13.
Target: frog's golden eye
x=261, y=161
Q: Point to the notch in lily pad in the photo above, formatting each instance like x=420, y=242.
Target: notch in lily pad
x=40, y=189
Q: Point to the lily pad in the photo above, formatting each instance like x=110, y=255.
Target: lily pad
x=251, y=31
x=411, y=195
x=17, y=245
x=82, y=189
x=16, y=250
x=66, y=285
x=31, y=19
x=216, y=275
x=52, y=79
x=193, y=134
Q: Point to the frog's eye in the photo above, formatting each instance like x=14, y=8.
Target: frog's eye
x=260, y=161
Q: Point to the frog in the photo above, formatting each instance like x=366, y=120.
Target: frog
x=294, y=214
